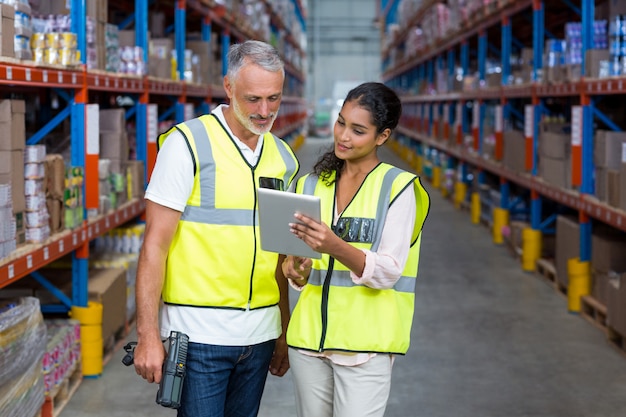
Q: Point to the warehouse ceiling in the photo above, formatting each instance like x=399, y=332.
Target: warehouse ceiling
x=342, y=27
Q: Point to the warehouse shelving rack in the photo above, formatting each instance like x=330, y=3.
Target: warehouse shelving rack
x=421, y=110
x=75, y=85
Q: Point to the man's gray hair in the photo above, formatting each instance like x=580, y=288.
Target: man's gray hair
x=255, y=52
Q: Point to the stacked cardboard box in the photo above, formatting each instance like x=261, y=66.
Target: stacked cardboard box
x=55, y=189
x=12, y=158
x=607, y=156
x=36, y=216
x=607, y=259
x=7, y=30
x=555, y=153
x=114, y=152
x=514, y=150
x=567, y=245
x=7, y=222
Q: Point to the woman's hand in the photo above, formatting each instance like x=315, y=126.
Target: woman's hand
x=315, y=234
x=297, y=269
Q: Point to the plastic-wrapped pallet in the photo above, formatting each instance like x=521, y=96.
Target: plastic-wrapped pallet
x=22, y=346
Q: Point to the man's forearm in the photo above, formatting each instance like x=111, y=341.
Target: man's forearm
x=150, y=277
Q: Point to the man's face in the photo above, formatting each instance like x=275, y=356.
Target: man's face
x=255, y=96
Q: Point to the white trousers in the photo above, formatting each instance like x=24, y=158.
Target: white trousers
x=325, y=389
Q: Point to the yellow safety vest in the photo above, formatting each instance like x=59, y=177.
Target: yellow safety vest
x=215, y=259
x=334, y=313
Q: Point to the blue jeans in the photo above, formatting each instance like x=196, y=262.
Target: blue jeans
x=225, y=381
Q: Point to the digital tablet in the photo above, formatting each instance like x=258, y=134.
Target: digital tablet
x=276, y=210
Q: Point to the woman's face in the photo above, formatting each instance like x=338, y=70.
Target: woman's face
x=355, y=135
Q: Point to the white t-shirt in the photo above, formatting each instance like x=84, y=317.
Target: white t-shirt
x=170, y=185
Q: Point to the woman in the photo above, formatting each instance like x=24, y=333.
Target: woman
x=356, y=306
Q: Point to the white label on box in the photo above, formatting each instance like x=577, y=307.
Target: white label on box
x=623, y=153
x=529, y=120
x=476, y=114
x=189, y=111
x=577, y=126
x=153, y=122
x=499, y=118
x=93, y=129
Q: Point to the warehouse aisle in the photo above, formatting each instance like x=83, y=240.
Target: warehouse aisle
x=488, y=340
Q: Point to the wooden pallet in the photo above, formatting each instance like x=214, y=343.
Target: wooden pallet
x=594, y=312
x=545, y=268
x=60, y=395
x=617, y=340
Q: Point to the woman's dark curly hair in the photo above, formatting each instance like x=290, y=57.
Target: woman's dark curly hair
x=385, y=109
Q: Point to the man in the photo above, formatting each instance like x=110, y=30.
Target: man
x=201, y=250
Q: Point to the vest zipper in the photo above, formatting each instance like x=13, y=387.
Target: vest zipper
x=324, y=306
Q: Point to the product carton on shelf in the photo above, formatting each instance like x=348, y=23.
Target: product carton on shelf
x=616, y=304
x=12, y=172
x=607, y=250
x=622, y=186
x=607, y=151
x=613, y=187
x=593, y=60
x=12, y=121
x=555, y=153
x=567, y=245
x=7, y=30
x=514, y=157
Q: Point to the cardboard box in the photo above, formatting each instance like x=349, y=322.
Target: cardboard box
x=616, y=7
x=567, y=245
x=613, y=186
x=12, y=120
x=202, y=50
x=112, y=120
x=12, y=172
x=556, y=171
x=607, y=149
x=514, y=156
x=608, y=248
x=601, y=183
x=108, y=286
x=555, y=145
x=573, y=73
x=55, y=175
x=7, y=30
x=56, y=210
x=114, y=145
x=616, y=304
x=599, y=286
x=160, y=67
x=622, y=186
x=136, y=179
x=593, y=57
